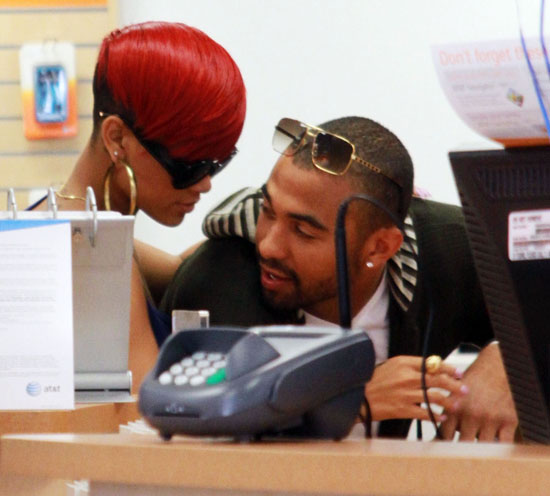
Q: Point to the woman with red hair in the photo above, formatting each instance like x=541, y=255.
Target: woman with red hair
x=169, y=106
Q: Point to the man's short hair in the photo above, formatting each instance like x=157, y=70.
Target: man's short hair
x=379, y=146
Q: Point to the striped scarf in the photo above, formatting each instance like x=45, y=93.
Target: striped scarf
x=238, y=214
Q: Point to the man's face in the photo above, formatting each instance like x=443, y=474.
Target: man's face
x=295, y=239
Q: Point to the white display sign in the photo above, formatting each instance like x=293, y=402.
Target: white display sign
x=36, y=315
x=529, y=235
x=489, y=86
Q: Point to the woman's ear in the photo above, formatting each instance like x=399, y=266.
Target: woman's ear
x=382, y=245
x=113, y=131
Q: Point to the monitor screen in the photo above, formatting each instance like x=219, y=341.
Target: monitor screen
x=505, y=195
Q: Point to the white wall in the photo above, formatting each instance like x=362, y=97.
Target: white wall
x=320, y=59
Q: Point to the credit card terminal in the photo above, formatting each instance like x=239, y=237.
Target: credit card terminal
x=262, y=381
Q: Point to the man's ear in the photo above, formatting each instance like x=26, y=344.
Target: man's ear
x=113, y=131
x=382, y=245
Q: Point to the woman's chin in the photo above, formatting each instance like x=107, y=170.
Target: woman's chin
x=168, y=219
x=173, y=221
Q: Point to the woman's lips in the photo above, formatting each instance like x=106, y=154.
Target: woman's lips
x=185, y=207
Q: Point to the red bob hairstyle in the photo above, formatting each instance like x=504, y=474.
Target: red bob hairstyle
x=173, y=85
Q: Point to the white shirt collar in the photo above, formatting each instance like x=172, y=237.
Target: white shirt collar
x=373, y=318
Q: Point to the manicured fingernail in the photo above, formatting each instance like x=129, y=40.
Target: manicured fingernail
x=442, y=418
x=459, y=374
x=464, y=389
x=455, y=406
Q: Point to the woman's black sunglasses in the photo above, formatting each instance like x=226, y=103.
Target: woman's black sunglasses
x=183, y=173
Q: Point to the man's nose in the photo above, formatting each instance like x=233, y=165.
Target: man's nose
x=272, y=244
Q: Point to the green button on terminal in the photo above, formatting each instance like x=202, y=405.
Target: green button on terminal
x=217, y=377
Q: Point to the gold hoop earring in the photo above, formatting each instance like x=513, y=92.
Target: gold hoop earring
x=133, y=188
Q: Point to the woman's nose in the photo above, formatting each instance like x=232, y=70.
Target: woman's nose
x=202, y=186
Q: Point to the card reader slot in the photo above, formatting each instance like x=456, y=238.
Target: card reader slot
x=295, y=389
x=176, y=415
x=248, y=354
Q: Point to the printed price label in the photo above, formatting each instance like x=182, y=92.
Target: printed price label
x=529, y=235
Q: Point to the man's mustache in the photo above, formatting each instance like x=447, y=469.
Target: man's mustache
x=274, y=264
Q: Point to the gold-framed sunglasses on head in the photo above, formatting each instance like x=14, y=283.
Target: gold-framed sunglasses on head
x=329, y=152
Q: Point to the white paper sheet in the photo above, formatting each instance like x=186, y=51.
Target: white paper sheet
x=36, y=316
x=529, y=235
x=490, y=88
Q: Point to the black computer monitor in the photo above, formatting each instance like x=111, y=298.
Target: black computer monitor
x=505, y=195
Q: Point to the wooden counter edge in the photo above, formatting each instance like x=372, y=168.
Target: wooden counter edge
x=85, y=418
x=349, y=467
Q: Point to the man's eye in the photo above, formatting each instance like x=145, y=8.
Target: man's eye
x=303, y=232
x=266, y=210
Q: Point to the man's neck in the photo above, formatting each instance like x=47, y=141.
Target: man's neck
x=359, y=295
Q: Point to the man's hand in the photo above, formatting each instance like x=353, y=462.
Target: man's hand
x=488, y=412
x=395, y=390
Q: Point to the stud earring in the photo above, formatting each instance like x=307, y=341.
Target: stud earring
x=369, y=264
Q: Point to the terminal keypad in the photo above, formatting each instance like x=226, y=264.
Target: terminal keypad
x=200, y=368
